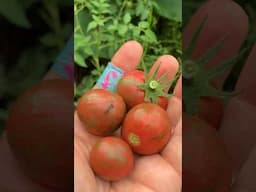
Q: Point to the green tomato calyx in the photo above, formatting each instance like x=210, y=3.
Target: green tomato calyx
x=155, y=87
x=197, y=75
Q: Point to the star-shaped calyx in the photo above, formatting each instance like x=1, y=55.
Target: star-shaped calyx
x=197, y=79
x=155, y=87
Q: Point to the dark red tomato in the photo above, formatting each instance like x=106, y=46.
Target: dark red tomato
x=147, y=128
x=101, y=111
x=40, y=133
x=211, y=110
x=111, y=158
x=206, y=165
x=131, y=93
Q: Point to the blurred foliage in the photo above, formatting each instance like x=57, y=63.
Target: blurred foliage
x=101, y=27
x=32, y=34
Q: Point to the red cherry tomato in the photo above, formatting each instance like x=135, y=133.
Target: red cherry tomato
x=147, y=128
x=40, y=133
x=132, y=94
x=211, y=110
x=205, y=165
x=111, y=158
x=101, y=111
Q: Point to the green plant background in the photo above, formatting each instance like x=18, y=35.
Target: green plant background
x=101, y=27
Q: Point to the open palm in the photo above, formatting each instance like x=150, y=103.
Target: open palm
x=155, y=173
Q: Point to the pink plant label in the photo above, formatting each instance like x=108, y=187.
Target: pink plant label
x=110, y=77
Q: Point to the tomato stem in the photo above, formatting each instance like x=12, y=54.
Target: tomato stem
x=190, y=69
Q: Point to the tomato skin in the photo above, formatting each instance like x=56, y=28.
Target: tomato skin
x=206, y=164
x=39, y=126
x=111, y=158
x=211, y=110
x=146, y=128
x=101, y=111
x=128, y=88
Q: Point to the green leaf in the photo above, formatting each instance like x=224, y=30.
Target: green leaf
x=92, y=25
x=171, y=9
x=14, y=12
x=143, y=24
x=151, y=35
x=127, y=18
x=80, y=60
x=84, y=18
x=122, y=30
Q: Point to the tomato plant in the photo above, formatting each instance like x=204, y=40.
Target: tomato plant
x=111, y=158
x=147, y=128
x=101, y=111
x=40, y=132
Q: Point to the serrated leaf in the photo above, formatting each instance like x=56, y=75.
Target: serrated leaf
x=92, y=25
x=14, y=12
x=127, y=18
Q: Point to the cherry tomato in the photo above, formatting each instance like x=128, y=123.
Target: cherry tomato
x=147, y=128
x=131, y=93
x=206, y=165
x=111, y=158
x=211, y=110
x=40, y=133
x=101, y=111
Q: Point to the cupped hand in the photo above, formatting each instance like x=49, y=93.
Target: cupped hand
x=156, y=173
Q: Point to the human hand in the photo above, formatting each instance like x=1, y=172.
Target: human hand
x=160, y=172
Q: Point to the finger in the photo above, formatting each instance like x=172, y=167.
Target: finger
x=83, y=173
x=247, y=80
x=219, y=23
x=246, y=178
x=166, y=63
x=126, y=58
x=172, y=153
x=178, y=89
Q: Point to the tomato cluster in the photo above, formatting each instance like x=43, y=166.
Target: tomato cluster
x=139, y=108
